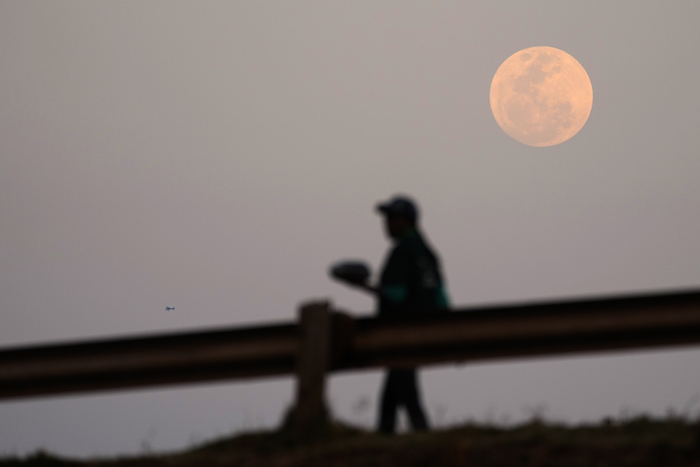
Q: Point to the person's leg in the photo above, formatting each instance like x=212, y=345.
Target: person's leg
x=409, y=397
x=389, y=403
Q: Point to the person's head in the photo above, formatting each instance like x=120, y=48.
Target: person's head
x=400, y=214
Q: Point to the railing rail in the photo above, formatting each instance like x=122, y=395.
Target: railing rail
x=498, y=332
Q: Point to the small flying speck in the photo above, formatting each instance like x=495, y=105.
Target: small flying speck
x=167, y=308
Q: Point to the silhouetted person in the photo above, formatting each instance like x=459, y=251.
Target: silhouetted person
x=410, y=284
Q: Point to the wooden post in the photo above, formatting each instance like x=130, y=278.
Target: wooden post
x=313, y=362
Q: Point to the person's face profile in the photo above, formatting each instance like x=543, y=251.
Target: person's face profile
x=395, y=225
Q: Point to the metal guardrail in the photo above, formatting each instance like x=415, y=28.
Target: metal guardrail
x=148, y=361
x=564, y=327
x=330, y=341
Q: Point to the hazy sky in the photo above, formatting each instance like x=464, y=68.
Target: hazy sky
x=218, y=156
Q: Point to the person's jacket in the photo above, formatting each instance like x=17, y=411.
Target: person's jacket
x=411, y=282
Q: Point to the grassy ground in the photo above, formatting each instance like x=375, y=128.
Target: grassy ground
x=637, y=442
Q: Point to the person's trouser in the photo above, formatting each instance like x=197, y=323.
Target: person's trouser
x=401, y=389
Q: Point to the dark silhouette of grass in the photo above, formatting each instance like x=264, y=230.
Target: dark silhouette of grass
x=640, y=441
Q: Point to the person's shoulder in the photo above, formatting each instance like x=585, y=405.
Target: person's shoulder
x=408, y=244
x=420, y=248
x=414, y=243
x=409, y=249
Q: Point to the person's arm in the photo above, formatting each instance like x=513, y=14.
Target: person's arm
x=364, y=286
x=396, y=294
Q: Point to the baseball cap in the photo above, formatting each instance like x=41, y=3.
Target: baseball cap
x=399, y=206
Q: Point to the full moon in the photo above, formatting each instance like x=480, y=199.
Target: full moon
x=541, y=96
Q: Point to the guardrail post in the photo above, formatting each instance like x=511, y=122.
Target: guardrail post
x=313, y=362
